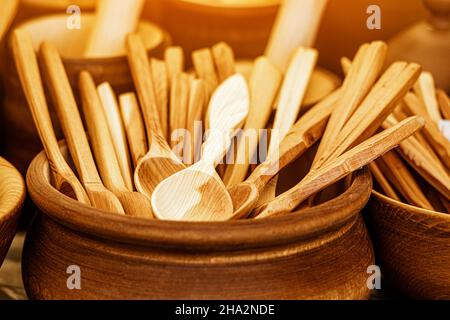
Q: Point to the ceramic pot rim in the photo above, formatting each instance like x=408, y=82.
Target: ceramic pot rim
x=405, y=206
x=17, y=196
x=327, y=217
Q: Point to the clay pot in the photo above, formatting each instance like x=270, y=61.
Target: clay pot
x=319, y=253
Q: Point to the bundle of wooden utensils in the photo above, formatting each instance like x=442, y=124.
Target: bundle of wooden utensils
x=159, y=131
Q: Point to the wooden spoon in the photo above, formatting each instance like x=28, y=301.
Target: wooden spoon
x=174, y=58
x=28, y=69
x=197, y=193
x=69, y=117
x=135, y=204
x=114, y=20
x=161, y=85
x=444, y=103
x=160, y=162
x=332, y=172
x=115, y=125
x=224, y=60
x=264, y=83
x=426, y=90
x=302, y=136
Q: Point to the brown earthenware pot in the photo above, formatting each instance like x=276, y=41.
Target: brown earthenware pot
x=413, y=246
x=319, y=253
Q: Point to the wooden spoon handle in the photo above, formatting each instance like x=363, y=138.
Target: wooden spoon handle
x=28, y=69
x=99, y=134
x=114, y=20
x=142, y=76
x=296, y=25
x=8, y=11
x=352, y=160
x=303, y=134
x=68, y=114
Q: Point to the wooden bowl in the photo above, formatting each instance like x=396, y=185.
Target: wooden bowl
x=15, y=114
x=12, y=196
x=320, y=253
x=193, y=24
x=413, y=246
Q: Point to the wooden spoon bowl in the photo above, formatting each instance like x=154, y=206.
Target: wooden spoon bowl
x=12, y=196
x=322, y=252
x=15, y=114
x=413, y=246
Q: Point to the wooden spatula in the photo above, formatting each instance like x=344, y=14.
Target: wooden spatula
x=332, y=172
x=114, y=20
x=28, y=69
x=160, y=162
x=134, y=204
x=197, y=193
x=302, y=136
x=69, y=117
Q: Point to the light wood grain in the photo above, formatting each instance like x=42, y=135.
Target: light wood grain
x=179, y=104
x=134, y=126
x=362, y=75
x=397, y=172
x=203, y=61
x=431, y=131
x=196, y=110
x=379, y=103
x=160, y=162
x=198, y=193
x=114, y=20
x=224, y=60
x=425, y=89
x=70, y=120
x=28, y=70
x=115, y=125
x=264, y=83
x=161, y=85
x=296, y=25
x=134, y=204
x=382, y=181
x=352, y=160
x=174, y=58
x=300, y=138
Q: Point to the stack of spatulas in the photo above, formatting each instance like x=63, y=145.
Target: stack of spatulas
x=159, y=152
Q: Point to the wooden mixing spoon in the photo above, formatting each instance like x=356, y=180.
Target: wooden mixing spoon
x=69, y=117
x=339, y=168
x=134, y=203
x=28, y=69
x=198, y=193
x=160, y=162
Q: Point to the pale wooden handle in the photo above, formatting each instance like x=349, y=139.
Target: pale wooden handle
x=161, y=85
x=115, y=125
x=69, y=117
x=8, y=9
x=99, y=134
x=134, y=126
x=352, y=160
x=114, y=20
x=296, y=25
x=142, y=76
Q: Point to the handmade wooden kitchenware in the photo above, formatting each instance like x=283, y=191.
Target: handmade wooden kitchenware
x=12, y=196
x=15, y=114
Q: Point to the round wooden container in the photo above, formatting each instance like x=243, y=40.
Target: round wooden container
x=244, y=25
x=320, y=253
x=17, y=121
x=12, y=196
x=413, y=246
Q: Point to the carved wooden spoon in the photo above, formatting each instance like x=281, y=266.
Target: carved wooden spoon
x=335, y=170
x=28, y=69
x=160, y=162
x=198, y=193
x=302, y=135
